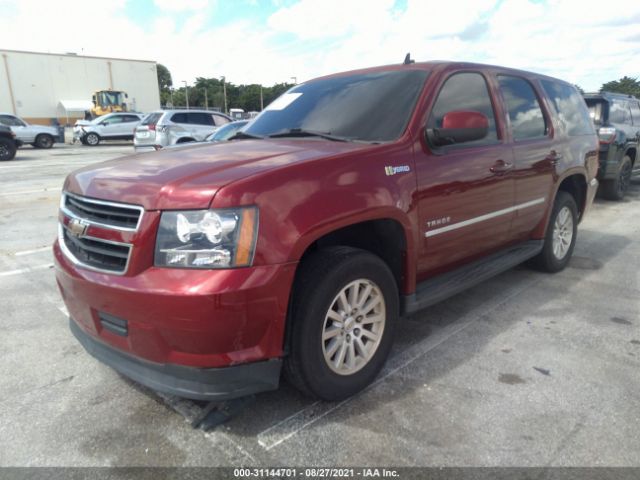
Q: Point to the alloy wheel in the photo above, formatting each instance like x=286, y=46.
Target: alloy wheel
x=353, y=327
x=562, y=233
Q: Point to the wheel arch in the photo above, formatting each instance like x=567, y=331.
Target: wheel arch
x=573, y=182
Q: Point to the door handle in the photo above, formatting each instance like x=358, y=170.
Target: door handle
x=554, y=157
x=501, y=167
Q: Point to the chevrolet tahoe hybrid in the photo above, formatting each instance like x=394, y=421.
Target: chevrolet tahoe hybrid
x=352, y=200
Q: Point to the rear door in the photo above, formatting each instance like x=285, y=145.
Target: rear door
x=129, y=123
x=111, y=126
x=465, y=190
x=200, y=124
x=535, y=151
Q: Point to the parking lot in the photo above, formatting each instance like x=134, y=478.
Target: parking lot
x=527, y=369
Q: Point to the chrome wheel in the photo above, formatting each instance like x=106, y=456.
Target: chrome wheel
x=353, y=327
x=562, y=233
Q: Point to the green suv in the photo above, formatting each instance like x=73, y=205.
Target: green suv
x=617, y=118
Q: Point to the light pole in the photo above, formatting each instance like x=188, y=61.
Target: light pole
x=206, y=100
x=295, y=80
x=224, y=92
x=186, y=90
x=171, y=95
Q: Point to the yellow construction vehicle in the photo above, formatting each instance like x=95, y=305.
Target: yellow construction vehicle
x=107, y=101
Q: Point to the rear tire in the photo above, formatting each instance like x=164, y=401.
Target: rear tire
x=616, y=188
x=343, y=317
x=560, y=238
x=43, y=140
x=8, y=149
x=92, y=139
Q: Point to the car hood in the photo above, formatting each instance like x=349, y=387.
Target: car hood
x=189, y=177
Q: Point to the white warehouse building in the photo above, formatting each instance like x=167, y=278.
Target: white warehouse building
x=42, y=87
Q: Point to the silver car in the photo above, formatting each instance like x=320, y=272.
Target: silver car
x=169, y=127
x=39, y=136
x=112, y=126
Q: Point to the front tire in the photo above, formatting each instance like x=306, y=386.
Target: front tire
x=616, y=188
x=8, y=149
x=43, y=141
x=561, y=235
x=343, y=317
x=92, y=139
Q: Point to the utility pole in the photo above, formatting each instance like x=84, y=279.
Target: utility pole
x=261, y=99
x=186, y=90
x=224, y=92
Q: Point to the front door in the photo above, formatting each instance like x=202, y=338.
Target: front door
x=465, y=190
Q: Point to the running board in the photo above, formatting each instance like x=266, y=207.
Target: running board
x=448, y=284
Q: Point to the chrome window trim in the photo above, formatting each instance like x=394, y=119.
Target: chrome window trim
x=101, y=202
x=481, y=218
x=67, y=253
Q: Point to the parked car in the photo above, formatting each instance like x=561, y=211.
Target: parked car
x=352, y=200
x=39, y=136
x=113, y=126
x=169, y=127
x=8, y=143
x=227, y=131
x=617, y=118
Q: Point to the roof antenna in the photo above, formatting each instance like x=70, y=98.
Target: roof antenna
x=408, y=60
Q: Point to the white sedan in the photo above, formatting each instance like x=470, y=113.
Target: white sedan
x=39, y=136
x=113, y=126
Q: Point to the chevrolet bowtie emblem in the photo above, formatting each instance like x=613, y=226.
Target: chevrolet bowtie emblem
x=77, y=227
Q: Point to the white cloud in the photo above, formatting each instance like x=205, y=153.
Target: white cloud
x=561, y=38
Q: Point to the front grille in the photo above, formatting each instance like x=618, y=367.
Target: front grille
x=95, y=253
x=107, y=214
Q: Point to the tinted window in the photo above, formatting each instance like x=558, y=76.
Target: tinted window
x=596, y=110
x=570, y=107
x=11, y=121
x=130, y=118
x=464, y=91
x=151, y=119
x=179, y=118
x=220, y=120
x=527, y=120
x=367, y=106
x=619, y=112
x=199, y=118
x=635, y=112
x=114, y=119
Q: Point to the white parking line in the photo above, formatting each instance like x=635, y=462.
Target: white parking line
x=292, y=425
x=35, y=250
x=26, y=270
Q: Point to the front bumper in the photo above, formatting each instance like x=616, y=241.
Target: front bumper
x=210, y=384
x=175, y=321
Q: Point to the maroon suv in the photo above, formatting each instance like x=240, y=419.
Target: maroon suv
x=352, y=200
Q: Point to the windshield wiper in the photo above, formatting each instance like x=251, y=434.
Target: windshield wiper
x=243, y=135
x=299, y=132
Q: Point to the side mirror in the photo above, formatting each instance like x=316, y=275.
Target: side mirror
x=104, y=124
x=461, y=126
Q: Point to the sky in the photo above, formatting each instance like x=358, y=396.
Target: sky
x=271, y=41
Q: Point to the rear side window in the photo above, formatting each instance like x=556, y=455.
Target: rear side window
x=199, y=118
x=525, y=114
x=596, y=110
x=179, y=118
x=635, y=112
x=151, y=119
x=570, y=107
x=130, y=118
x=465, y=91
x=220, y=120
x=619, y=112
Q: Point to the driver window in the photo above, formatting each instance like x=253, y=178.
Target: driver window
x=465, y=91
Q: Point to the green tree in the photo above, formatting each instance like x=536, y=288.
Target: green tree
x=626, y=85
x=164, y=83
x=579, y=88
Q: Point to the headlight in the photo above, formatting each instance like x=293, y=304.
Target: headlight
x=207, y=238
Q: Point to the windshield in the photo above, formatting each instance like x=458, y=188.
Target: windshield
x=225, y=132
x=370, y=107
x=110, y=98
